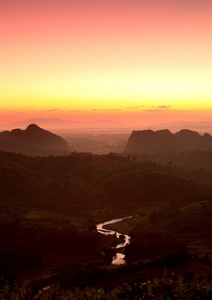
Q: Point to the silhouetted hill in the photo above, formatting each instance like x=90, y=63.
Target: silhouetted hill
x=33, y=141
x=152, y=142
x=49, y=207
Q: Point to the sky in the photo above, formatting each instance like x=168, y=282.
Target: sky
x=123, y=61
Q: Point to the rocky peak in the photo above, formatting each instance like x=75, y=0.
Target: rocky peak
x=152, y=142
x=33, y=127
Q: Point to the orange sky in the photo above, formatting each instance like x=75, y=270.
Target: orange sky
x=104, y=60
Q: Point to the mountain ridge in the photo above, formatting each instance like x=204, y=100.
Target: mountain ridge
x=152, y=142
x=32, y=141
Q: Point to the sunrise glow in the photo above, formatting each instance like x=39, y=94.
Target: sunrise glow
x=103, y=59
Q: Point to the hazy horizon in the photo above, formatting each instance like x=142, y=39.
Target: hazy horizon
x=60, y=126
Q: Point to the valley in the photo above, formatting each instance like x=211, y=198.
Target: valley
x=50, y=207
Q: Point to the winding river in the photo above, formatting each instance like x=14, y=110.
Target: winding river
x=118, y=259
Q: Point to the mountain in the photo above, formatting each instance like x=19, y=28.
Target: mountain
x=49, y=124
x=33, y=141
x=59, y=125
x=153, y=142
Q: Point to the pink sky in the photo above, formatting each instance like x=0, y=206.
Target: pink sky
x=106, y=60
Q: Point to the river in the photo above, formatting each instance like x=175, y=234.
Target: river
x=118, y=259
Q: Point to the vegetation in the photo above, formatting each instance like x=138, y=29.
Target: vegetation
x=48, y=210
x=169, y=286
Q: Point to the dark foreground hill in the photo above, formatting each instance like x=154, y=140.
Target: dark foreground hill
x=32, y=141
x=48, y=210
x=153, y=142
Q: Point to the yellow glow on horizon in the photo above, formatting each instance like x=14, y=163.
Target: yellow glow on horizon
x=180, y=89
x=120, y=56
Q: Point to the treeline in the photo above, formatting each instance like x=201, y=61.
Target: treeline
x=195, y=159
x=26, y=243
x=169, y=285
x=176, y=233
x=50, y=205
x=95, y=180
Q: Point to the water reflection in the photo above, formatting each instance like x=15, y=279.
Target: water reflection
x=118, y=259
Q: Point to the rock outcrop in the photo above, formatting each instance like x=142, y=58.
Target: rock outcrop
x=33, y=141
x=152, y=142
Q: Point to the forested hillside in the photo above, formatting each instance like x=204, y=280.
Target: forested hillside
x=50, y=205
x=33, y=141
x=152, y=142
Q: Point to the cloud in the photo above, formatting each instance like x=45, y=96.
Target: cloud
x=74, y=110
x=160, y=108
x=164, y=106
x=52, y=110
x=64, y=110
x=97, y=109
x=135, y=107
x=110, y=110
